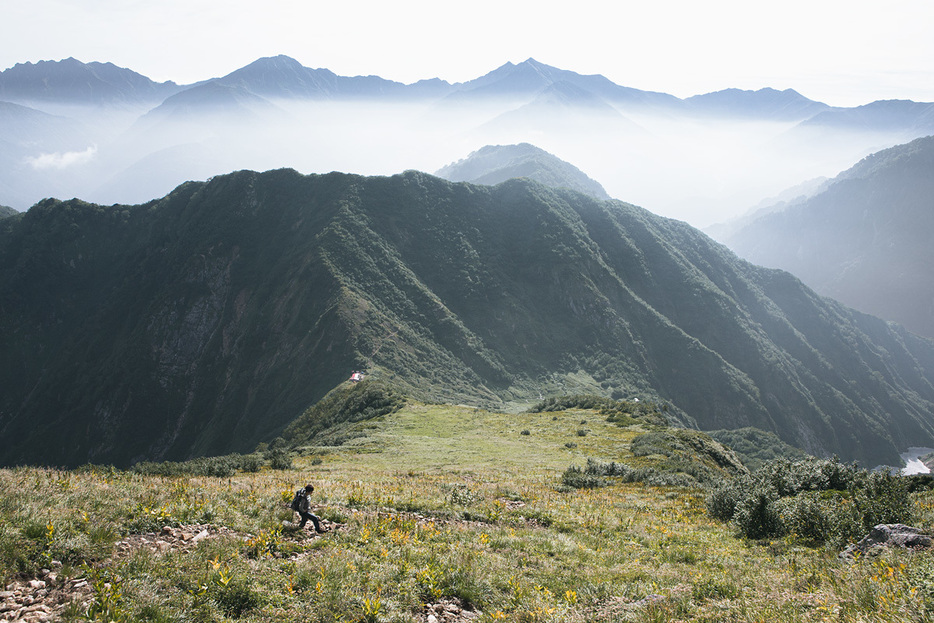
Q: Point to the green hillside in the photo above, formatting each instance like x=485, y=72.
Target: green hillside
x=434, y=511
x=207, y=321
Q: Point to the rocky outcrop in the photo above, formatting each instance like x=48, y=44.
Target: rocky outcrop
x=886, y=536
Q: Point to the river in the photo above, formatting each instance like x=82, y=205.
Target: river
x=913, y=464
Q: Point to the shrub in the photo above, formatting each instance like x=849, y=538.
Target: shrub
x=280, y=459
x=722, y=501
x=577, y=478
x=817, y=501
x=756, y=515
x=579, y=401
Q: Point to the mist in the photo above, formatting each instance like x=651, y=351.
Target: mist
x=702, y=170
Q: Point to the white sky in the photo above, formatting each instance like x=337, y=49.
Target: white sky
x=841, y=52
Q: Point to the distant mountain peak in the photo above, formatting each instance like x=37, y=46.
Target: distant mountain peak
x=767, y=102
x=493, y=164
x=71, y=80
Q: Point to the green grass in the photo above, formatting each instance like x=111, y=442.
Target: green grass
x=438, y=503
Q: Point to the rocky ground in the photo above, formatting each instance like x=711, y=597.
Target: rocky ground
x=46, y=597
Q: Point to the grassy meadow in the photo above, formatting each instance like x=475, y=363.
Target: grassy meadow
x=438, y=505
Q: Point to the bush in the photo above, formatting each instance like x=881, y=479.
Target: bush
x=756, y=515
x=817, y=501
x=576, y=478
x=722, y=501
x=280, y=459
x=580, y=401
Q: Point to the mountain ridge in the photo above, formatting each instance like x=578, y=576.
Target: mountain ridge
x=862, y=239
x=206, y=321
x=89, y=83
x=493, y=164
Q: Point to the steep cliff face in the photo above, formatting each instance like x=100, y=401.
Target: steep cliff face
x=206, y=321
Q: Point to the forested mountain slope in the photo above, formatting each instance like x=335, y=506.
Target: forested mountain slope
x=865, y=239
x=206, y=321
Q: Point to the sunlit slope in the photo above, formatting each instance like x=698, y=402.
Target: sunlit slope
x=204, y=322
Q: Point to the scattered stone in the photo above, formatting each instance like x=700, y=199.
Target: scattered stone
x=448, y=610
x=888, y=535
x=45, y=598
x=645, y=601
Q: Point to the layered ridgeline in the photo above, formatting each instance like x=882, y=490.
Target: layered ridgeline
x=864, y=238
x=206, y=321
x=493, y=164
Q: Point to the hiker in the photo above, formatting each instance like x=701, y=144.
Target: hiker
x=301, y=503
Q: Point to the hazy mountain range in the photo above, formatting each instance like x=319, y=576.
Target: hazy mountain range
x=863, y=237
x=206, y=321
x=109, y=135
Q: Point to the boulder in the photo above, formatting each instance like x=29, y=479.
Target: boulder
x=888, y=535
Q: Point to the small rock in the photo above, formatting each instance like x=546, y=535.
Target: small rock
x=38, y=608
x=36, y=584
x=648, y=599
x=168, y=531
x=201, y=535
x=52, y=578
x=432, y=619
x=6, y=594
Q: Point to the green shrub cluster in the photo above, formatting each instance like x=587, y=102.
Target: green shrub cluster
x=622, y=412
x=217, y=466
x=577, y=401
x=626, y=413
x=598, y=473
x=814, y=500
x=361, y=401
x=683, y=458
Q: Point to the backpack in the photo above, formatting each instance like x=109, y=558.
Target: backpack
x=296, y=504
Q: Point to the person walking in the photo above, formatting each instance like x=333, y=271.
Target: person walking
x=301, y=504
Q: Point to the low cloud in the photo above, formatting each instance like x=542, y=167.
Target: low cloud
x=61, y=160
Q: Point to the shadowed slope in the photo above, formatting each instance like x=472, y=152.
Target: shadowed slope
x=206, y=321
